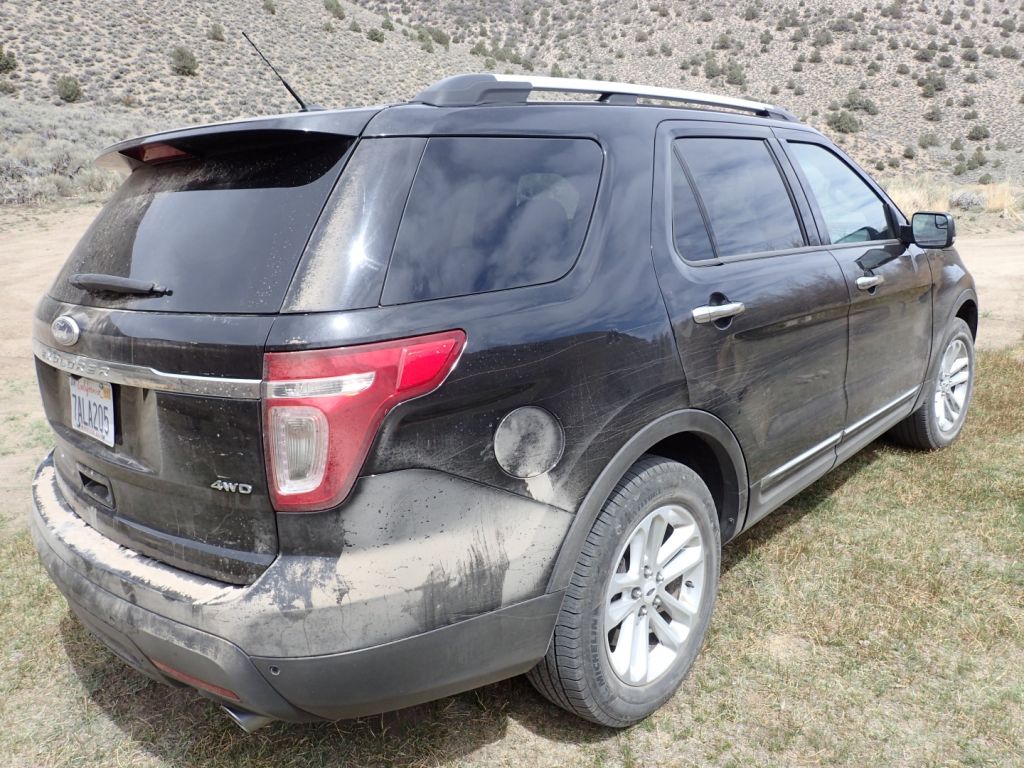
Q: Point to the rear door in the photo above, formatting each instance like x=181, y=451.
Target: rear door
x=889, y=283
x=758, y=305
x=155, y=401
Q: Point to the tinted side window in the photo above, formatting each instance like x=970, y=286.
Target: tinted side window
x=689, y=233
x=491, y=213
x=743, y=193
x=853, y=212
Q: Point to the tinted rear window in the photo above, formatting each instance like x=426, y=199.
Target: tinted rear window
x=223, y=232
x=485, y=214
x=743, y=193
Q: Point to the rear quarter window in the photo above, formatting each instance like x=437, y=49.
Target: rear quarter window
x=486, y=214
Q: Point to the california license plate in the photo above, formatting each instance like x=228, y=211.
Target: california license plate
x=92, y=409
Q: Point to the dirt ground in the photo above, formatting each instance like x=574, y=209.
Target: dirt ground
x=35, y=242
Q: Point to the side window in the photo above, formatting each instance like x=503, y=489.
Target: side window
x=853, y=212
x=745, y=198
x=689, y=232
x=485, y=214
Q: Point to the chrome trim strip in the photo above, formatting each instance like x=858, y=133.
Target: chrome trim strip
x=146, y=377
x=835, y=439
x=859, y=425
x=810, y=453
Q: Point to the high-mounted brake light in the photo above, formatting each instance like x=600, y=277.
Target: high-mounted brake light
x=322, y=409
x=155, y=153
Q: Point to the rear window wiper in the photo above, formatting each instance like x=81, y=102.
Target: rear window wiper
x=94, y=283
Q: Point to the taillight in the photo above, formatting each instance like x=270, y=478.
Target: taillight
x=322, y=409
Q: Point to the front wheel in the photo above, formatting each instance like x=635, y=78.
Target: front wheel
x=640, y=599
x=938, y=420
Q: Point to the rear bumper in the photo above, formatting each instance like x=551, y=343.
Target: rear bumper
x=148, y=612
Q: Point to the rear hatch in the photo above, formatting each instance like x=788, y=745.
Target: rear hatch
x=172, y=291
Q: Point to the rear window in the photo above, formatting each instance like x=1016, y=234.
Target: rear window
x=222, y=231
x=485, y=214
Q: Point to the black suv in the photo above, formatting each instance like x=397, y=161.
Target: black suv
x=356, y=409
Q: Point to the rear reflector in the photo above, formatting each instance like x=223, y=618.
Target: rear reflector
x=322, y=409
x=195, y=682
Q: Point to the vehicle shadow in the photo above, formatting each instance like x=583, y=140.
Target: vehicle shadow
x=181, y=728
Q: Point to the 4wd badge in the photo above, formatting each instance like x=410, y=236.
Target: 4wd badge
x=230, y=487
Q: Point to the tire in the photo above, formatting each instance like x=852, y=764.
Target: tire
x=930, y=426
x=586, y=669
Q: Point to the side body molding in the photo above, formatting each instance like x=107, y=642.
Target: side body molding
x=721, y=442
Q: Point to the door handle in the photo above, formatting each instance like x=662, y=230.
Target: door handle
x=868, y=282
x=709, y=313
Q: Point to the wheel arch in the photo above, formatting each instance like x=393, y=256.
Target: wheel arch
x=967, y=310
x=695, y=438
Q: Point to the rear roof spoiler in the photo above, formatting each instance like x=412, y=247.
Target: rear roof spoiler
x=342, y=122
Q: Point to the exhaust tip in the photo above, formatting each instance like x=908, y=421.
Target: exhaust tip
x=247, y=721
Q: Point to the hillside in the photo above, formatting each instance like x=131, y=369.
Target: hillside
x=909, y=89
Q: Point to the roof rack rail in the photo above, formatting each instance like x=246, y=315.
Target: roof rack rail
x=474, y=90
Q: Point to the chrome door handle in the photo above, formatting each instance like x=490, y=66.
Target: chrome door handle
x=711, y=312
x=867, y=282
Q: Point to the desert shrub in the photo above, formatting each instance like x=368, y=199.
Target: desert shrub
x=68, y=88
x=976, y=160
x=216, y=33
x=957, y=144
x=909, y=152
x=966, y=199
x=387, y=24
x=439, y=36
x=978, y=132
x=8, y=62
x=354, y=26
x=734, y=74
x=843, y=122
x=375, y=35
x=959, y=169
x=986, y=178
x=7, y=88
x=902, y=69
x=926, y=140
x=712, y=68
x=706, y=16
x=1009, y=52
x=334, y=8
x=859, y=102
x=183, y=61
x=970, y=54
x=269, y=7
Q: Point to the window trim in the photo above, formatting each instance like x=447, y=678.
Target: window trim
x=888, y=207
x=768, y=141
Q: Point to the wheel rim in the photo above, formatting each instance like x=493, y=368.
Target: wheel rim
x=953, y=385
x=654, y=596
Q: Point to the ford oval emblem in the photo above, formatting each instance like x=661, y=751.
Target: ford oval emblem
x=65, y=330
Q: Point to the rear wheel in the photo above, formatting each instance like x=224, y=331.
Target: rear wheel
x=938, y=420
x=640, y=599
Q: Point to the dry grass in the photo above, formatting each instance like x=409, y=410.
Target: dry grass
x=928, y=193
x=875, y=620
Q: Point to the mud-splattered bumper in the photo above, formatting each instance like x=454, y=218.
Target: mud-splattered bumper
x=151, y=614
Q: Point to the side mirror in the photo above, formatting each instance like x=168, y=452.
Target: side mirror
x=931, y=230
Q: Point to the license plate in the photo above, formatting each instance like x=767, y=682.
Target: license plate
x=92, y=409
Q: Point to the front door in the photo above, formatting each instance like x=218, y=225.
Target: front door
x=890, y=289
x=758, y=305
